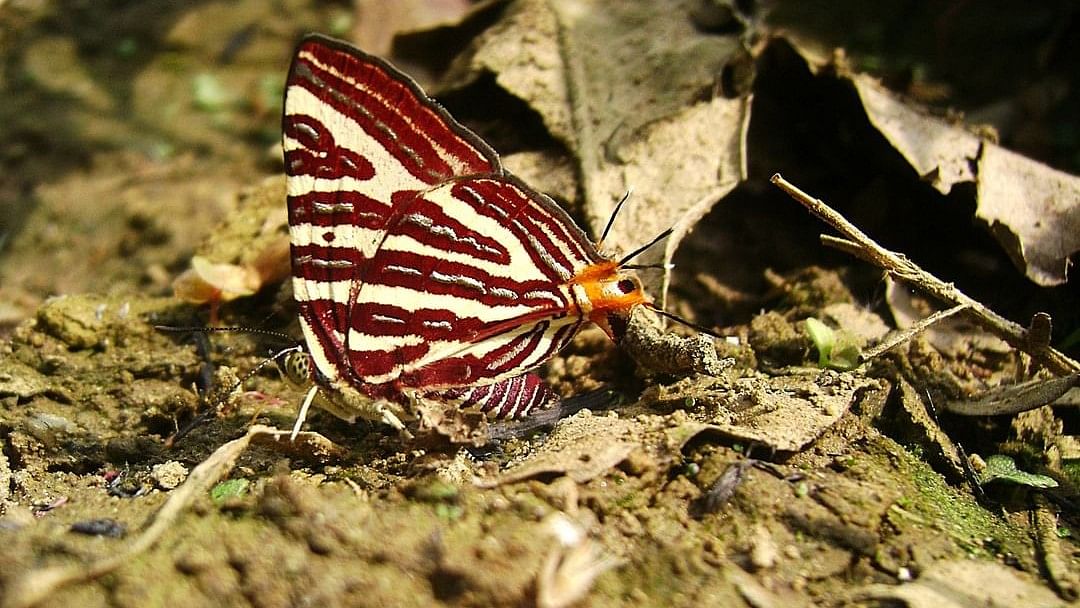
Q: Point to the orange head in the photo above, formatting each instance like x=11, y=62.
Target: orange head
x=612, y=294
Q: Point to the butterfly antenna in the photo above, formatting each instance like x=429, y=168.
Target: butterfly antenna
x=611, y=218
x=668, y=266
x=205, y=416
x=245, y=330
x=674, y=317
x=633, y=254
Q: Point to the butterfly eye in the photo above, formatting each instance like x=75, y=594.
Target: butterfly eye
x=627, y=286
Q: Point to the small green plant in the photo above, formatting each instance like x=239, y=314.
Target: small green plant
x=1001, y=468
x=229, y=490
x=836, y=349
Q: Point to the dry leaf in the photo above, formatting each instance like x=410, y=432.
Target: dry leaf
x=377, y=21
x=966, y=584
x=206, y=281
x=941, y=153
x=784, y=414
x=248, y=250
x=571, y=566
x=581, y=447
x=623, y=98
x=1032, y=209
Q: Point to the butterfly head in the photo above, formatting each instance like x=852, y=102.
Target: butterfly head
x=613, y=293
x=297, y=367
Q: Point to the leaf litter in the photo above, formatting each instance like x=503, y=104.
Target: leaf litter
x=1033, y=210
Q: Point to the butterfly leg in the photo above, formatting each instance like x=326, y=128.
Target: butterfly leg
x=302, y=415
x=349, y=404
x=389, y=418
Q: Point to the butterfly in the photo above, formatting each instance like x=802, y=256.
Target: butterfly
x=421, y=267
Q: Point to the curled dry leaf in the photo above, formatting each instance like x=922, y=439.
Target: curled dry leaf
x=377, y=21
x=581, y=447
x=571, y=565
x=1014, y=398
x=943, y=154
x=1032, y=209
x=248, y=250
x=206, y=281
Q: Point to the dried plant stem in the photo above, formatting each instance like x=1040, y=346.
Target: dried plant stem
x=40, y=584
x=899, y=337
x=858, y=243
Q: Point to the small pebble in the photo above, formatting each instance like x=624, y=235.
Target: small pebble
x=764, y=552
x=100, y=527
x=169, y=475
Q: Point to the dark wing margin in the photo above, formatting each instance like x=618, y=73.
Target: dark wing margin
x=391, y=107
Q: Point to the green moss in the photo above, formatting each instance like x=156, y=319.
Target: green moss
x=927, y=495
x=435, y=491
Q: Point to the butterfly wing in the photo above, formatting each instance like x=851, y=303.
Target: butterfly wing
x=470, y=286
x=359, y=138
x=510, y=398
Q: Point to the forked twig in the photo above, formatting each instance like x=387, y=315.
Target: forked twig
x=858, y=243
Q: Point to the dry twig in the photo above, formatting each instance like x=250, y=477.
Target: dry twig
x=859, y=244
x=41, y=584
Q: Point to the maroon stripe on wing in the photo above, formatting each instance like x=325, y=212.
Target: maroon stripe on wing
x=323, y=321
x=471, y=369
x=553, y=258
x=366, y=363
x=426, y=222
x=319, y=263
x=564, y=335
x=330, y=216
x=506, y=201
x=502, y=201
x=337, y=208
x=331, y=161
x=393, y=110
x=510, y=398
x=427, y=274
x=574, y=241
x=432, y=323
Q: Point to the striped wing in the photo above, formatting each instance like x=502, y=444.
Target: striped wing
x=417, y=262
x=469, y=286
x=359, y=137
x=511, y=398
